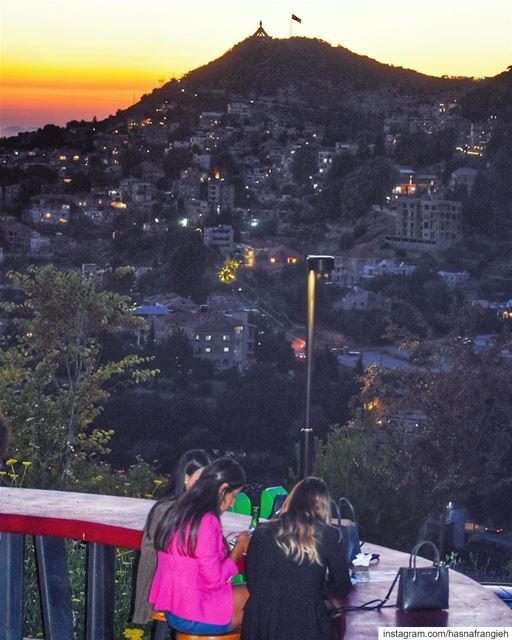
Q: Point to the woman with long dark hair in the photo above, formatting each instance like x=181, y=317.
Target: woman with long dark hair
x=191, y=583
x=292, y=562
x=186, y=473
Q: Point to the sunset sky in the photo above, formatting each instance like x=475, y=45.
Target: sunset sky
x=66, y=59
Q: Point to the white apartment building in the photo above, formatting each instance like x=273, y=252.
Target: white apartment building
x=427, y=223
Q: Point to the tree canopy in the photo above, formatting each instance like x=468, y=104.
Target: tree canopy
x=52, y=380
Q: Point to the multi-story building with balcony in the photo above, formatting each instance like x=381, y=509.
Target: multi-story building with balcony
x=52, y=208
x=222, y=338
x=221, y=194
x=427, y=224
x=21, y=238
x=137, y=191
x=221, y=237
x=240, y=109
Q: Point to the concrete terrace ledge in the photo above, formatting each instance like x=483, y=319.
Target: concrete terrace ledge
x=103, y=523
x=116, y=521
x=111, y=520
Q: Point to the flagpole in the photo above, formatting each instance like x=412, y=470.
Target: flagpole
x=291, y=25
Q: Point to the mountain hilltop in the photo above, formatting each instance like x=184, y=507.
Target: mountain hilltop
x=266, y=65
x=307, y=70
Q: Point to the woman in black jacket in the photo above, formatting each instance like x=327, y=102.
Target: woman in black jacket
x=292, y=562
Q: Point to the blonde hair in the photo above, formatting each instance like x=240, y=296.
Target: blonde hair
x=307, y=506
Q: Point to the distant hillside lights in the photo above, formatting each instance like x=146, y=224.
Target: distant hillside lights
x=505, y=310
x=51, y=208
x=270, y=258
x=136, y=124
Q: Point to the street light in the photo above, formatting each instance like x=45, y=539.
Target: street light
x=319, y=268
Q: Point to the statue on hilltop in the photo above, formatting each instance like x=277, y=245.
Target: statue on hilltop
x=260, y=32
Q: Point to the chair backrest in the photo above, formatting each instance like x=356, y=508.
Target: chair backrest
x=242, y=504
x=268, y=497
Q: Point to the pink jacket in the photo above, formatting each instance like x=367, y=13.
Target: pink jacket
x=196, y=588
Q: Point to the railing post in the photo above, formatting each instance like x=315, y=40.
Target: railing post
x=54, y=587
x=100, y=592
x=12, y=551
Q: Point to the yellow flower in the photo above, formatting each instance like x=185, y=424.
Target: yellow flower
x=3, y=473
x=133, y=634
x=11, y=461
x=26, y=463
x=14, y=476
x=157, y=482
x=148, y=495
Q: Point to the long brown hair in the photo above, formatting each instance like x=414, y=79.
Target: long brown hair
x=190, y=462
x=307, y=506
x=184, y=516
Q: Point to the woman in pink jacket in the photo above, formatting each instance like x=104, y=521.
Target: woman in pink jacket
x=191, y=582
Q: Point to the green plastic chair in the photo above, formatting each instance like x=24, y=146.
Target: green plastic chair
x=267, y=499
x=242, y=504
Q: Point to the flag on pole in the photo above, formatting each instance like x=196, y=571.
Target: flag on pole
x=294, y=17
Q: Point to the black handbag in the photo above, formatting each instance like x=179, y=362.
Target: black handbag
x=423, y=587
x=348, y=528
x=418, y=587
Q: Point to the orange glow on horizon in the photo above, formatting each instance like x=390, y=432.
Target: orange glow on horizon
x=66, y=60
x=36, y=107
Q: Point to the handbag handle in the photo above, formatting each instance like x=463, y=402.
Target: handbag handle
x=346, y=501
x=337, y=513
x=336, y=509
x=414, y=555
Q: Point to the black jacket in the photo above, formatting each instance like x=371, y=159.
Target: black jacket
x=286, y=599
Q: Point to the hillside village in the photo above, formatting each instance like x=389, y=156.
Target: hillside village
x=153, y=273
x=194, y=178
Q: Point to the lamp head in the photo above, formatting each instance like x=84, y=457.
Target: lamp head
x=321, y=265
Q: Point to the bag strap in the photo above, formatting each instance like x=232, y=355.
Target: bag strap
x=371, y=605
x=346, y=501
